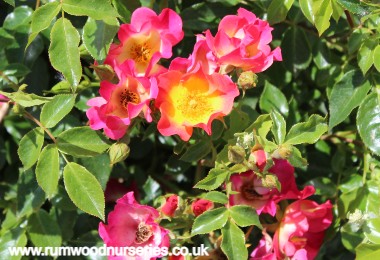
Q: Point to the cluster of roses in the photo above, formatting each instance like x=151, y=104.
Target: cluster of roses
x=301, y=225
x=298, y=231
x=193, y=91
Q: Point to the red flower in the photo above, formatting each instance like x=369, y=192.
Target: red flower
x=170, y=205
x=201, y=205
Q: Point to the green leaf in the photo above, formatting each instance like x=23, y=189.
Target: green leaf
x=273, y=99
x=82, y=142
x=30, y=196
x=376, y=58
x=98, y=35
x=346, y=95
x=84, y=190
x=47, y=170
x=30, y=147
x=64, y=51
x=213, y=180
x=366, y=54
x=307, y=10
x=203, y=225
x=43, y=230
x=20, y=16
x=323, y=186
x=216, y=196
x=355, y=7
x=337, y=10
x=368, y=122
x=367, y=251
x=125, y=7
x=245, y=216
x=42, y=18
x=279, y=126
x=372, y=230
x=11, y=2
x=24, y=99
x=99, y=166
x=296, y=158
x=152, y=190
x=55, y=110
x=6, y=38
x=278, y=9
x=233, y=243
x=197, y=151
x=12, y=238
x=98, y=10
x=307, y=132
x=323, y=15
x=296, y=50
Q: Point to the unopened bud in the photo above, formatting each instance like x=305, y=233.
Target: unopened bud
x=236, y=154
x=247, y=80
x=270, y=181
x=18, y=109
x=118, y=152
x=282, y=152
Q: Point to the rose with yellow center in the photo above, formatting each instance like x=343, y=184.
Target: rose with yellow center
x=188, y=100
x=148, y=38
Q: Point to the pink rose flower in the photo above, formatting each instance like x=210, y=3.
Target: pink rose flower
x=188, y=100
x=4, y=106
x=264, y=250
x=170, y=205
x=120, y=103
x=146, y=39
x=201, y=58
x=201, y=205
x=302, y=229
x=133, y=225
x=263, y=199
x=243, y=41
x=299, y=235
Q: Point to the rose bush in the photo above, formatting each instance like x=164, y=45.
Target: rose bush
x=246, y=127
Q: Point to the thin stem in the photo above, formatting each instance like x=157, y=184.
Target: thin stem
x=38, y=3
x=249, y=231
x=64, y=157
x=349, y=19
x=365, y=166
x=35, y=120
x=342, y=138
x=7, y=79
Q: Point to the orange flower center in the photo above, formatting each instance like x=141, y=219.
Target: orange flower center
x=128, y=96
x=141, y=53
x=143, y=233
